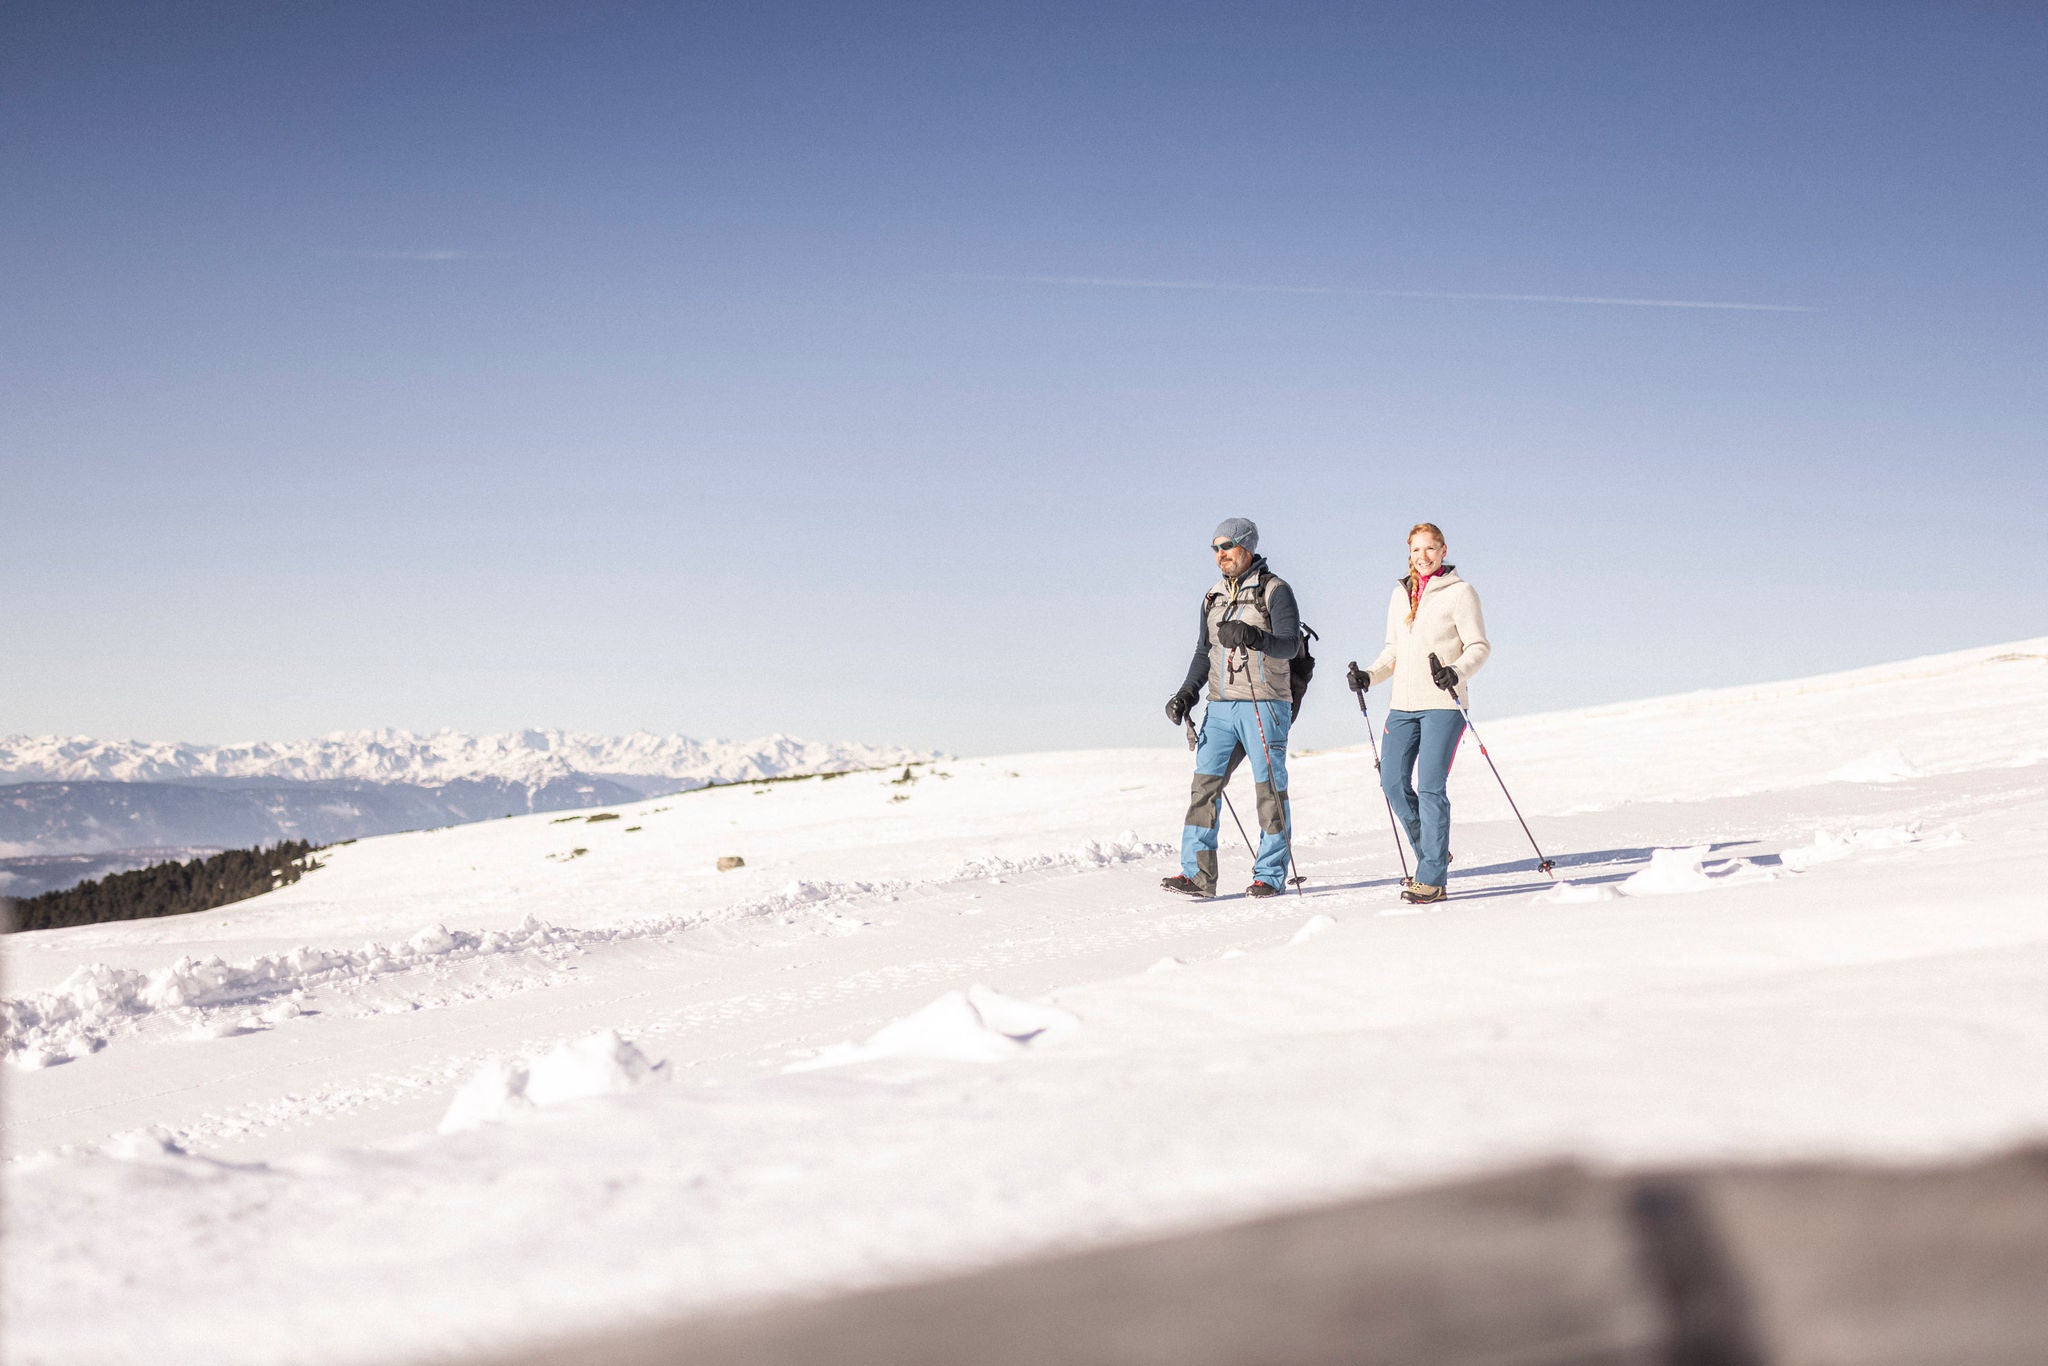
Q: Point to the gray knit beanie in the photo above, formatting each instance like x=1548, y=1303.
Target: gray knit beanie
x=1240, y=529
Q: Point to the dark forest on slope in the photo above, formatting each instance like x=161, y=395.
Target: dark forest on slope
x=168, y=888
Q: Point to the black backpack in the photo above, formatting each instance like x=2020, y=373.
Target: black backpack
x=1303, y=666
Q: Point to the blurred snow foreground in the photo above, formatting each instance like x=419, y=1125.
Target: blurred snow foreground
x=943, y=1017
x=1764, y=1266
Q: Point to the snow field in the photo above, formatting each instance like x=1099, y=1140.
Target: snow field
x=992, y=1035
x=1373, y=1054
x=75, y=1018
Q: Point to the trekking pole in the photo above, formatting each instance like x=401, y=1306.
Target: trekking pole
x=1286, y=825
x=1541, y=862
x=1240, y=826
x=1226, y=797
x=1359, y=693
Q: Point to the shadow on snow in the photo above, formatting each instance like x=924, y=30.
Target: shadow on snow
x=1625, y=859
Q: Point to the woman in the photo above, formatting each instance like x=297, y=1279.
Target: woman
x=1436, y=639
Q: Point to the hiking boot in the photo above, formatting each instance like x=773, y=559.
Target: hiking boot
x=1185, y=886
x=1262, y=889
x=1407, y=882
x=1421, y=894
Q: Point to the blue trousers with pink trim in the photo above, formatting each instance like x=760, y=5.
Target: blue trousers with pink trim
x=1415, y=770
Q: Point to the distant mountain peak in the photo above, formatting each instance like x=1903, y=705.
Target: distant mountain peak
x=532, y=756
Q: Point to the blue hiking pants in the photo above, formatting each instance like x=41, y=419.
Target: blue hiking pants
x=1414, y=769
x=1230, y=731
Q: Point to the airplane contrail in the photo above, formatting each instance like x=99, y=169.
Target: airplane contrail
x=1113, y=282
x=436, y=254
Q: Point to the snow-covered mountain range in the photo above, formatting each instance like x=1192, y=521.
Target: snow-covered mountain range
x=531, y=757
x=62, y=796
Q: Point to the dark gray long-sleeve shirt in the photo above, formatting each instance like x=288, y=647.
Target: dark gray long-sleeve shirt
x=1282, y=642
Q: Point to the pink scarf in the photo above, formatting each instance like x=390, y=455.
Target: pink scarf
x=1415, y=598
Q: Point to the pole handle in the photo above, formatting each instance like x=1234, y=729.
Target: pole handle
x=1435, y=667
x=1359, y=693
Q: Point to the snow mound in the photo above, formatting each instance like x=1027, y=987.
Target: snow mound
x=1314, y=926
x=975, y=1025
x=1829, y=846
x=1574, y=893
x=74, y=1017
x=142, y=1145
x=205, y=1029
x=1675, y=872
x=33, y=1057
x=1879, y=766
x=435, y=940
x=602, y=1065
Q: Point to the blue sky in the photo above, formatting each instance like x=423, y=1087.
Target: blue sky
x=878, y=371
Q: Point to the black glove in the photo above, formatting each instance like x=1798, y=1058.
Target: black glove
x=1180, y=704
x=1355, y=678
x=1442, y=674
x=1233, y=634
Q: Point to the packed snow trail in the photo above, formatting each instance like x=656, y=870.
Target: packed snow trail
x=946, y=1021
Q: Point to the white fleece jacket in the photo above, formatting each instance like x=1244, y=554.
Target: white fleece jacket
x=1448, y=625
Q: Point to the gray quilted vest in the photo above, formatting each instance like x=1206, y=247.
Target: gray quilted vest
x=1245, y=675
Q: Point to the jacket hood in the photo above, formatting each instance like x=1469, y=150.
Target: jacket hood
x=1448, y=573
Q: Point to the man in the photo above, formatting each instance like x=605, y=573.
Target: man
x=1250, y=631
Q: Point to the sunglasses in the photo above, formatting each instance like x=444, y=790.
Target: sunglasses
x=1220, y=546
